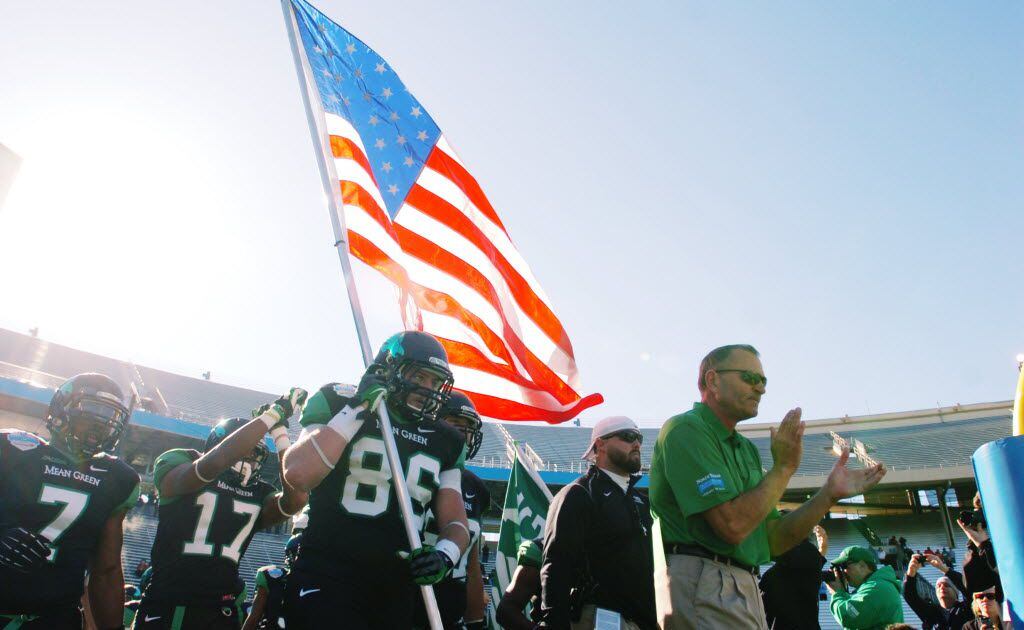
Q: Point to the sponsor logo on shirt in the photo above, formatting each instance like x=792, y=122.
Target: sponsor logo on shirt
x=77, y=475
x=23, y=441
x=710, y=483
x=345, y=391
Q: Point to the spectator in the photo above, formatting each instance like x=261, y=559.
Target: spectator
x=980, y=572
x=875, y=601
x=141, y=567
x=523, y=589
x=597, y=539
x=947, y=611
x=987, y=612
x=891, y=550
x=791, y=586
x=715, y=506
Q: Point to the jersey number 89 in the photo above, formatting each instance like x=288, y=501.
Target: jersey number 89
x=367, y=490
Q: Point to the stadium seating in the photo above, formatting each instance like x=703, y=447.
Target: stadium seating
x=921, y=531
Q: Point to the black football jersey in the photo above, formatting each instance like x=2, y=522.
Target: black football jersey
x=354, y=514
x=201, y=537
x=273, y=578
x=46, y=492
x=476, y=499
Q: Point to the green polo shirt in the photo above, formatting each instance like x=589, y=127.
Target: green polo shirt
x=698, y=464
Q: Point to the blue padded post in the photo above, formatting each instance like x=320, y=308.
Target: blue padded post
x=999, y=470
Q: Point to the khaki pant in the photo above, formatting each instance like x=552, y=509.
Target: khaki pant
x=699, y=594
x=588, y=618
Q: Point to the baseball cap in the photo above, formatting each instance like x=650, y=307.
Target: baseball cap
x=607, y=426
x=856, y=554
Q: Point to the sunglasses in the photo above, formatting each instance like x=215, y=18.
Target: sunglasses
x=989, y=596
x=626, y=436
x=749, y=377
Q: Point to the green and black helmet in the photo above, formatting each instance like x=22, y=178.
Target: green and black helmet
x=460, y=407
x=415, y=368
x=87, y=415
x=245, y=471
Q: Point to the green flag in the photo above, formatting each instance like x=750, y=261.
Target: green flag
x=523, y=516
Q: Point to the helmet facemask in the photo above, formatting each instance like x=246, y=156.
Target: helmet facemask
x=247, y=470
x=417, y=390
x=91, y=422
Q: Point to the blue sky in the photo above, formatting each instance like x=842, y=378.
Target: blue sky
x=839, y=184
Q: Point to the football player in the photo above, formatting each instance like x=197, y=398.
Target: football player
x=270, y=581
x=62, y=505
x=348, y=567
x=523, y=589
x=210, y=506
x=460, y=597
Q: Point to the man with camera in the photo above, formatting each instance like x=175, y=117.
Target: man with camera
x=875, y=601
x=980, y=572
x=950, y=613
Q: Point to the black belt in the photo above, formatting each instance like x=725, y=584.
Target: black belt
x=688, y=549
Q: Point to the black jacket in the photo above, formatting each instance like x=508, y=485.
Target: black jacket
x=932, y=615
x=790, y=589
x=980, y=569
x=597, y=540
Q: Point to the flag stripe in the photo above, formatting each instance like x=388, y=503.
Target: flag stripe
x=535, y=308
x=422, y=282
x=428, y=252
x=497, y=408
x=445, y=189
x=454, y=171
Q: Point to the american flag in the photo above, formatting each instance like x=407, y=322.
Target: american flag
x=414, y=213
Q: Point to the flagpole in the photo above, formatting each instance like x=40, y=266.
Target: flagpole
x=341, y=244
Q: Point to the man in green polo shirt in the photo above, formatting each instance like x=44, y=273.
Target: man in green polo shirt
x=715, y=504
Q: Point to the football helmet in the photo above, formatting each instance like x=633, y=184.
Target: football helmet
x=245, y=471
x=402, y=362
x=291, y=549
x=460, y=406
x=87, y=415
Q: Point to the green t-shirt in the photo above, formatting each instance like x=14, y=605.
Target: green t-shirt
x=698, y=464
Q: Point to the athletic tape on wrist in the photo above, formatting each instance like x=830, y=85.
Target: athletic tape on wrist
x=346, y=423
x=449, y=549
x=270, y=417
x=320, y=452
x=281, y=439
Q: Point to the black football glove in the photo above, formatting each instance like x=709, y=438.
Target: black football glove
x=428, y=565
x=371, y=387
x=22, y=550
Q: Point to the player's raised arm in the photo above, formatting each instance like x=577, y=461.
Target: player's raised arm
x=329, y=420
x=281, y=505
x=189, y=476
